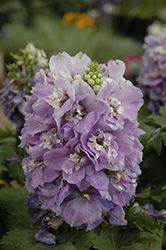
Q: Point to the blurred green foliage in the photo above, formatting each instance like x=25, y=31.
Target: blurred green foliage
x=142, y=8
x=51, y=35
x=24, y=11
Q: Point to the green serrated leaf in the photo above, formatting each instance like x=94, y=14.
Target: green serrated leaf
x=83, y=240
x=106, y=239
x=116, y=238
x=25, y=240
x=13, y=201
x=19, y=240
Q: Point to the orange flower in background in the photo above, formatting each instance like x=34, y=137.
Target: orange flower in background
x=80, y=20
x=84, y=20
x=69, y=17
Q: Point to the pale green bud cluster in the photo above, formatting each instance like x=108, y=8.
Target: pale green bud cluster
x=92, y=76
x=26, y=64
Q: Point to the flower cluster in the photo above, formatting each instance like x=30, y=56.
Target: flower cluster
x=81, y=134
x=152, y=78
x=20, y=79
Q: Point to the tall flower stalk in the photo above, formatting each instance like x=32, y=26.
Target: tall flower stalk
x=81, y=135
x=19, y=81
x=152, y=77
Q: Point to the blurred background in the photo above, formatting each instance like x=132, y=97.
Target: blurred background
x=103, y=29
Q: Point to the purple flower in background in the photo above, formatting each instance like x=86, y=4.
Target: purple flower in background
x=82, y=137
x=150, y=210
x=20, y=79
x=152, y=78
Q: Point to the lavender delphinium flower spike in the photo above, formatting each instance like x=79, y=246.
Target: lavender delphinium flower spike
x=152, y=77
x=81, y=134
x=20, y=79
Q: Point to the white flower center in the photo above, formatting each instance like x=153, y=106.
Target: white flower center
x=56, y=98
x=77, y=157
x=46, y=138
x=76, y=113
x=32, y=165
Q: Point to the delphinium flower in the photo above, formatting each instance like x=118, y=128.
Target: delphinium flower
x=152, y=77
x=20, y=79
x=150, y=210
x=82, y=138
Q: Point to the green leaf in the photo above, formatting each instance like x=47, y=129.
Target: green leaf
x=7, y=132
x=130, y=217
x=25, y=240
x=3, y=168
x=13, y=223
x=65, y=246
x=19, y=240
x=116, y=238
x=106, y=239
x=147, y=222
x=157, y=198
x=153, y=173
x=152, y=243
x=145, y=193
x=157, y=144
x=162, y=111
x=137, y=246
x=157, y=141
x=164, y=187
x=149, y=130
x=151, y=236
x=82, y=239
x=158, y=119
x=16, y=172
x=9, y=140
x=13, y=201
x=6, y=151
